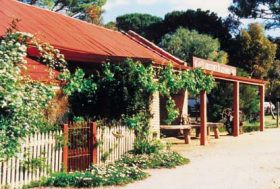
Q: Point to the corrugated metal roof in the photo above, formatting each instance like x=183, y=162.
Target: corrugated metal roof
x=84, y=42
x=40, y=72
x=78, y=40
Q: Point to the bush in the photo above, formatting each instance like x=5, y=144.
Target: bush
x=157, y=160
x=248, y=129
x=112, y=174
x=124, y=171
x=147, y=146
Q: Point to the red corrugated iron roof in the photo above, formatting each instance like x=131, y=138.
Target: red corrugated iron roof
x=84, y=42
x=78, y=40
x=40, y=72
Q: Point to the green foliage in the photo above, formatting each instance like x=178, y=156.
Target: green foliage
x=136, y=22
x=147, y=146
x=112, y=174
x=265, y=9
x=170, y=82
x=185, y=44
x=248, y=129
x=111, y=25
x=221, y=97
x=254, y=52
x=76, y=8
x=60, y=141
x=126, y=170
x=205, y=22
x=123, y=92
x=273, y=90
x=77, y=83
x=34, y=164
x=155, y=160
x=22, y=101
x=276, y=40
x=172, y=111
x=249, y=100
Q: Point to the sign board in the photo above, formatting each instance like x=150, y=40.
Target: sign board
x=213, y=66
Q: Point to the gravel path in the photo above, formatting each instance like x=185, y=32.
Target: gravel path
x=251, y=161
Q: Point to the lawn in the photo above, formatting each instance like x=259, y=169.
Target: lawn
x=254, y=126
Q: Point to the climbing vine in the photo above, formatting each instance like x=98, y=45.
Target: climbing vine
x=22, y=100
x=124, y=91
x=171, y=82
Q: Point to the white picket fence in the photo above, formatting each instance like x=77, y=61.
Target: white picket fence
x=115, y=141
x=14, y=173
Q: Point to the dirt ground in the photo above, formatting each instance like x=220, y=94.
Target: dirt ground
x=251, y=161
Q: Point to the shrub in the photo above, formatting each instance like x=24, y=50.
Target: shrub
x=112, y=174
x=165, y=159
x=248, y=129
x=147, y=146
x=127, y=170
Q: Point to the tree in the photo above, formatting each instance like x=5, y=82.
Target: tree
x=265, y=9
x=136, y=22
x=219, y=99
x=254, y=52
x=111, y=25
x=249, y=98
x=185, y=44
x=276, y=41
x=154, y=28
x=274, y=81
x=205, y=22
x=89, y=10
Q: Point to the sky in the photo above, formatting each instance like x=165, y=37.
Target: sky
x=114, y=8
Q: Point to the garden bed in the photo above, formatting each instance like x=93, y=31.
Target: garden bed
x=127, y=170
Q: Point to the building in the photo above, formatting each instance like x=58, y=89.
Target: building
x=87, y=46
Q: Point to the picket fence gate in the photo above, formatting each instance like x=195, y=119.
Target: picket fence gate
x=113, y=141
x=15, y=173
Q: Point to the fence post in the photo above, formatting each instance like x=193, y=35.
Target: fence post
x=93, y=146
x=65, y=147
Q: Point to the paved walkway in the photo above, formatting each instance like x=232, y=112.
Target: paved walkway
x=251, y=161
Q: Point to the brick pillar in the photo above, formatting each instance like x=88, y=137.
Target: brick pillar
x=262, y=94
x=155, y=120
x=236, y=109
x=203, y=118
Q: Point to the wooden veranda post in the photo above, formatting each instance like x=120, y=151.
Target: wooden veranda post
x=236, y=109
x=65, y=147
x=93, y=141
x=262, y=94
x=203, y=118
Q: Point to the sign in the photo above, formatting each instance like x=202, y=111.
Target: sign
x=213, y=66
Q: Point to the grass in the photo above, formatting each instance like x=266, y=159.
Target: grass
x=254, y=126
x=269, y=122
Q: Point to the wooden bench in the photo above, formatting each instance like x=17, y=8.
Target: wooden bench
x=187, y=128
x=215, y=127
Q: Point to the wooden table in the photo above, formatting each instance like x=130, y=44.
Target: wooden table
x=187, y=128
x=215, y=127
